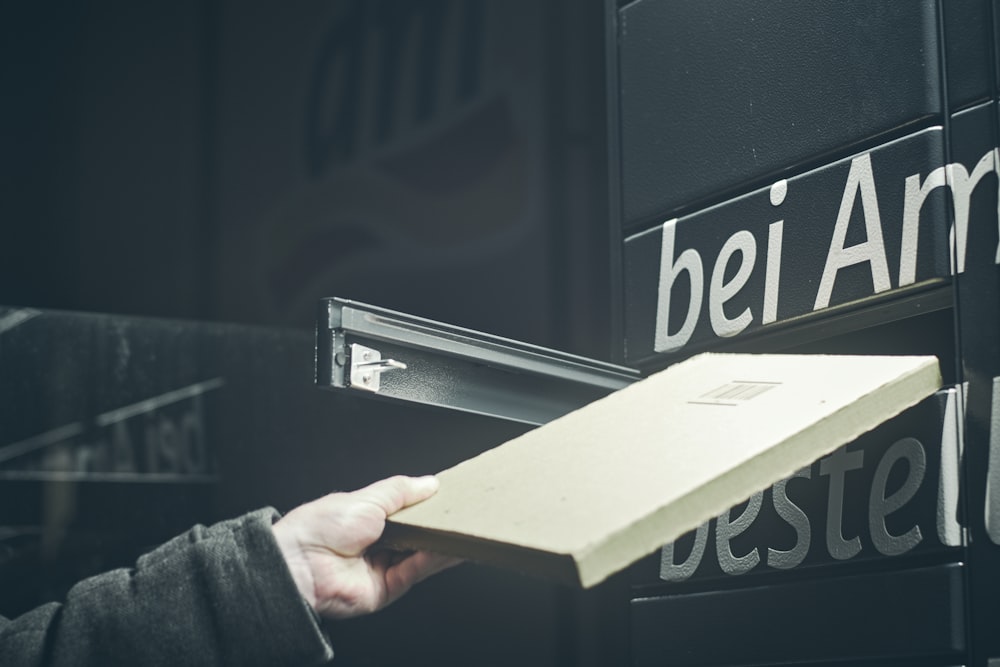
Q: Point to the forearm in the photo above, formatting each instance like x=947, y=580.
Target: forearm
x=220, y=595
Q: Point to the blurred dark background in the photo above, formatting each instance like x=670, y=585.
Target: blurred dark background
x=236, y=161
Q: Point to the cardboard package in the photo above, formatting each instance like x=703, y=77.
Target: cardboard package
x=590, y=493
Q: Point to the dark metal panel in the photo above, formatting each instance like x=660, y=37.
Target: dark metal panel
x=615, y=220
x=112, y=432
x=774, y=255
x=996, y=50
x=968, y=50
x=863, y=617
x=714, y=94
x=103, y=398
x=978, y=322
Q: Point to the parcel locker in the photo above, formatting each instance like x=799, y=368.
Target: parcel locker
x=783, y=176
x=807, y=177
x=834, y=188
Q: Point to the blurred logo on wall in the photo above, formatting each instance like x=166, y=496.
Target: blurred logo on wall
x=401, y=162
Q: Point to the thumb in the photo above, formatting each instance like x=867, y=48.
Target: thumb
x=395, y=493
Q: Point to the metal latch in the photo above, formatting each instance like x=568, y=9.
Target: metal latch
x=367, y=366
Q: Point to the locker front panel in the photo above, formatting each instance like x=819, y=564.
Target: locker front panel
x=713, y=95
x=915, y=615
x=967, y=41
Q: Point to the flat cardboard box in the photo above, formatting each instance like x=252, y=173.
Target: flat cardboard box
x=588, y=494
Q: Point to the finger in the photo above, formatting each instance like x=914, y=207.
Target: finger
x=397, y=492
x=413, y=569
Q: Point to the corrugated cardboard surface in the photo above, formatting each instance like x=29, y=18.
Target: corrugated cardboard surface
x=588, y=494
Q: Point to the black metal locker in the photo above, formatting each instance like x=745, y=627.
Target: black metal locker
x=819, y=177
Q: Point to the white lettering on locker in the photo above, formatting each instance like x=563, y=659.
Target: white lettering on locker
x=872, y=249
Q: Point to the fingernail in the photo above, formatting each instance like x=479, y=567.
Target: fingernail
x=429, y=482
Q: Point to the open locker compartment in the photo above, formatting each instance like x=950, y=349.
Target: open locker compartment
x=395, y=355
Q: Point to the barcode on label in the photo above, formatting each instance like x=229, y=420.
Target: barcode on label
x=735, y=392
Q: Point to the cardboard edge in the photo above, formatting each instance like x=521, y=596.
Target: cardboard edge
x=557, y=567
x=601, y=560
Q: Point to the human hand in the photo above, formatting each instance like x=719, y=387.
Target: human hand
x=326, y=546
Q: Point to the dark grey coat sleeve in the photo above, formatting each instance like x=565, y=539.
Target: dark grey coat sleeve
x=220, y=595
